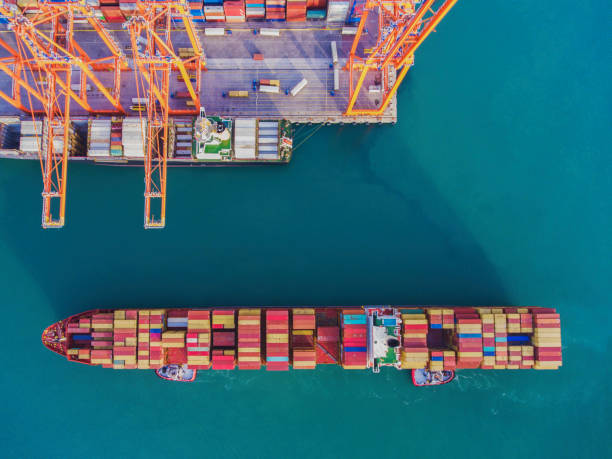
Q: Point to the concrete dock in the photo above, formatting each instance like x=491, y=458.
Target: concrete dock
x=303, y=50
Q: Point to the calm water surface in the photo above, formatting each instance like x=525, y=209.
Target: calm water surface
x=493, y=188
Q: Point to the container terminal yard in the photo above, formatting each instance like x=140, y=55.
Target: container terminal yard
x=434, y=338
x=163, y=83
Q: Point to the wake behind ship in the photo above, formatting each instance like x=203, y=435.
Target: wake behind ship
x=437, y=339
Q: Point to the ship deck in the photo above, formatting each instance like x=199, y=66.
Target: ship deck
x=303, y=50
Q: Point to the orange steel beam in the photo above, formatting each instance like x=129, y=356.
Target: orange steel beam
x=41, y=62
x=401, y=30
x=154, y=57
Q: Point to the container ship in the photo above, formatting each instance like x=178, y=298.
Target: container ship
x=436, y=340
x=159, y=83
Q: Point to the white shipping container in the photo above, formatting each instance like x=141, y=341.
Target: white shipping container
x=349, y=30
x=268, y=124
x=375, y=89
x=336, y=78
x=269, y=32
x=267, y=88
x=298, y=87
x=334, y=51
x=214, y=31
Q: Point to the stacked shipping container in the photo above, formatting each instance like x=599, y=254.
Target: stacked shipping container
x=125, y=339
x=488, y=339
x=354, y=339
x=296, y=10
x=328, y=337
x=302, y=339
x=547, y=340
x=223, y=340
x=414, y=352
x=249, y=339
x=275, y=10
x=277, y=340
x=144, y=339
x=198, y=339
x=337, y=10
x=213, y=10
x=234, y=11
x=156, y=326
x=468, y=338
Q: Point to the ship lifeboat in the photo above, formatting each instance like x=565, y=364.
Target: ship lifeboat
x=178, y=373
x=422, y=377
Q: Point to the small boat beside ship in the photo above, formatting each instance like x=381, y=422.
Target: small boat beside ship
x=178, y=373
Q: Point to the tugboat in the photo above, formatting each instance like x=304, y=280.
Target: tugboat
x=422, y=377
x=179, y=373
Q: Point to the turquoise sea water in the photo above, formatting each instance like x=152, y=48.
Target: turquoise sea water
x=493, y=188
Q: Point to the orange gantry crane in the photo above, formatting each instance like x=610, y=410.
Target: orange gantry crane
x=151, y=32
x=402, y=28
x=42, y=57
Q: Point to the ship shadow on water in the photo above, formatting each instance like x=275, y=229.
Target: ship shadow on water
x=353, y=219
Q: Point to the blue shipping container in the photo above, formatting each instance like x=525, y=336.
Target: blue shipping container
x=518, y=339
x=277, y=359
x=81, y=337
x=355, y=349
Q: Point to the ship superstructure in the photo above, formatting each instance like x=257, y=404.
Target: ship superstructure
x=369, y=337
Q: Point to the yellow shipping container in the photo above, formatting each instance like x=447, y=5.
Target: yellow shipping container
x=353, y=367
x=449, y=353
x=248, y=349
x=546, y=365
x=277, y=335
x=248, y=322
x=229, y=352
x=413, y=316
x=143, y=365
x=469, y=354
x=119, y=314
x=304, y=312
x=249, y=359
x=173, y=334
x=499, y=367
x=125, y=323
x=130, y=341
x=278, y=340
x=414, y=335
x=302, y=332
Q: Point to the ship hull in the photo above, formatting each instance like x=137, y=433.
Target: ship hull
x=435, y=338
